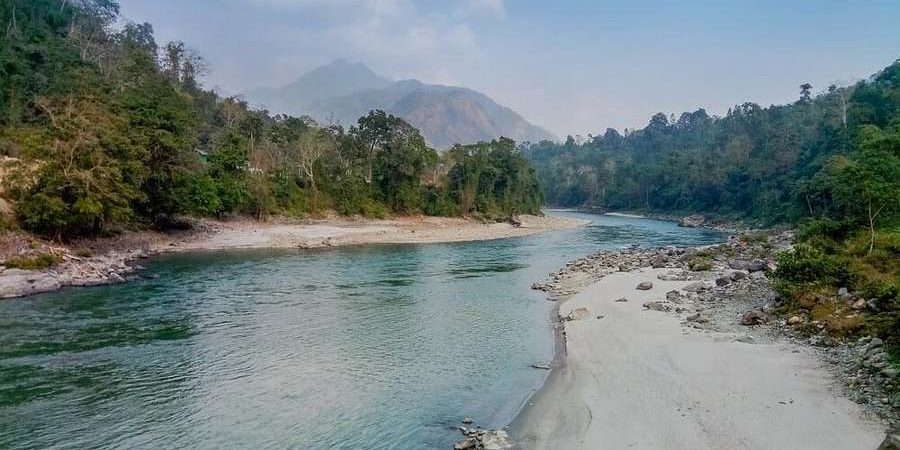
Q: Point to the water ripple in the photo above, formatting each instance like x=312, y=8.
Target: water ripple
x=359, y=348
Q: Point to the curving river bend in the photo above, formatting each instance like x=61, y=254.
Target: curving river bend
x=379, y=347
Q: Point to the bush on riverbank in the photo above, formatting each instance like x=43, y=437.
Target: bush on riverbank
x=844, y=286
x=37, y=262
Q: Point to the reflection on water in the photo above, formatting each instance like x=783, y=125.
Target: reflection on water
x=382, y=347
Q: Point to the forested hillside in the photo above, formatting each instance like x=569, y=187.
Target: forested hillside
x=103, y=127
x=754, y=163
x=828, y=164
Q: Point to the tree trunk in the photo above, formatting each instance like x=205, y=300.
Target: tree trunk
x=872, y=218
x=871, y=231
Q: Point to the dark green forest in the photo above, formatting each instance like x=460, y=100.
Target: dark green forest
x=105, y=128
x=768, y=165
x=827, y=165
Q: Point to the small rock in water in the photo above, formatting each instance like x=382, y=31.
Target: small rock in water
x=468, y=420
x=645, y=286
x=116, y=278
x=621, y=300
x=540, y=367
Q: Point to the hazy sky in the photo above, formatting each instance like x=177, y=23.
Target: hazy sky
x=575, y=67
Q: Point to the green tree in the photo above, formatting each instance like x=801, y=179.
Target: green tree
x=866, y=186
x=81, y=170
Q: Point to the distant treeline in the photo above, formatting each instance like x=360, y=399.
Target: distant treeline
x=108, y=128
x=766, y=164
x=828, y=164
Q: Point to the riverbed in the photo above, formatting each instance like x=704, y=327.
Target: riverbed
x=375, y=347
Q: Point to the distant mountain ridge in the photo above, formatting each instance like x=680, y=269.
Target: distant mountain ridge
x=342, y=92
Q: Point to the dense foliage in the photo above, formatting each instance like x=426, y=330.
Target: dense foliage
x=829, y=163
x=753, y=163
x=106, y=128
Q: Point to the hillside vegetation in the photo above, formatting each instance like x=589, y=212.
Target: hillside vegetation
x=104, y=128
x=827, y=163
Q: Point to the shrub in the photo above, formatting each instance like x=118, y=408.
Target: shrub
x=232, y=192
x=37, y=262
x=291, y=199
x=200, y=196
x=805, y=264
x=43, y=214
x=438, y=203
x=700, y=263
x=354, y=196
x=755, y=239
x=260, y=201
x=7, y=223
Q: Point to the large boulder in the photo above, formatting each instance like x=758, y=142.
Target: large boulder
x=659, y=261
x=695, y=287
x=737, y=275
x=657, y=306
x=673, y=276
x=891, y=442
x=748, y=266
x=577, y=314
x=495, y=440
x=754, y=317
x=645, y=286
x=693, y=221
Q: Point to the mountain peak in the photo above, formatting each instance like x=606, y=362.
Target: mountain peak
x=344, y=91
x=344, y=65
x=337, y=78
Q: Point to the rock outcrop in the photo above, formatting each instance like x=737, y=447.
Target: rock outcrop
x=693, y=221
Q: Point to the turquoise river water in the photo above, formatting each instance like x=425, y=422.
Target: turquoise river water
x=378, y=347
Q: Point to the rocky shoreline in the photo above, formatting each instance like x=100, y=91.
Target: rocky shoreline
x=729, y=291
x=711, y=222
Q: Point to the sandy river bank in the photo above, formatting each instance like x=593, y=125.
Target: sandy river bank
x=113, y=260
x=672, y=367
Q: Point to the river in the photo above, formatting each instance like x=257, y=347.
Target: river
x=376, y=347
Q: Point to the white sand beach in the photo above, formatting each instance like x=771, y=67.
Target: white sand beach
x=340, y=232
x=638, y=379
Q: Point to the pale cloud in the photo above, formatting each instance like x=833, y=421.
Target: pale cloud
x=495, y=7
x=396, y=37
